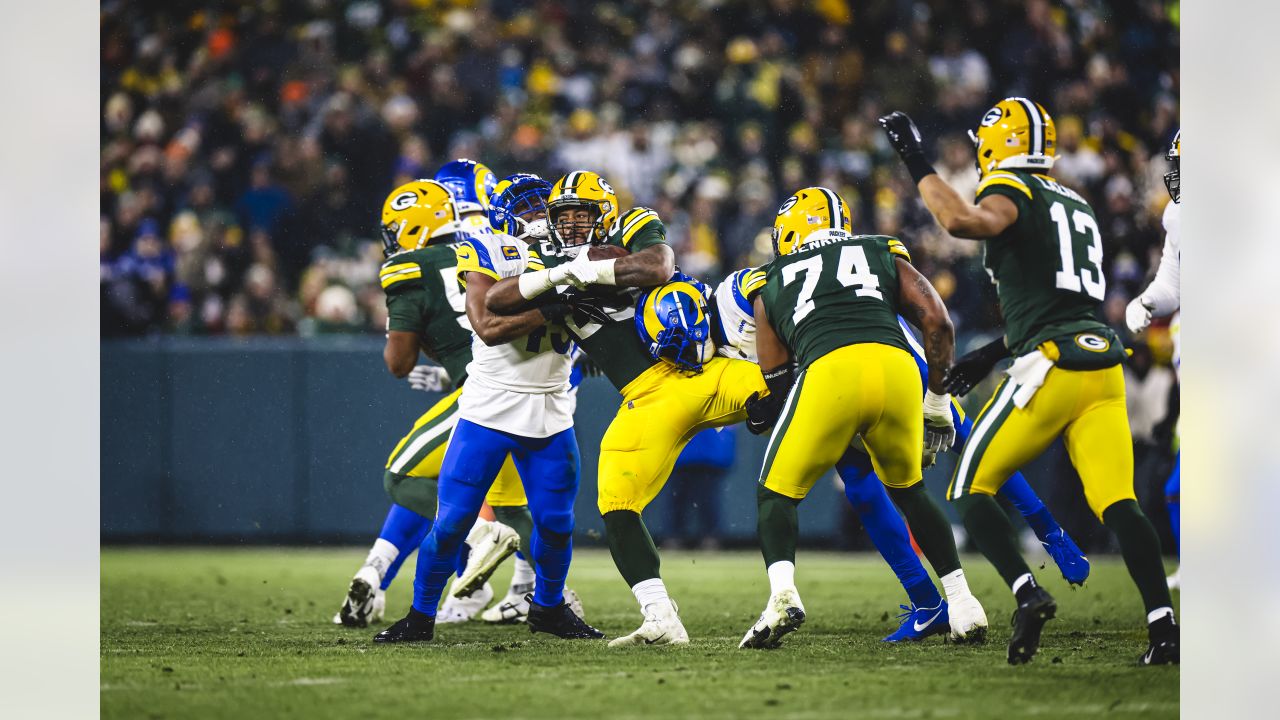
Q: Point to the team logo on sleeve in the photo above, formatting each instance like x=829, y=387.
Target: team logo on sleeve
x=1092, y=342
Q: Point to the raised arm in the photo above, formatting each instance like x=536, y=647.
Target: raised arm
x=924, y=309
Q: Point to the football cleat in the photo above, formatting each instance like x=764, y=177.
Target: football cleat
x=1175, y=580
x=513, y=608
x=661, y=626
x=920, y=623
x=1029, y=618
x=365, y=601
x=967, y=619
x=1068, y=556
x=575, y=603
x=560, y=621
x=461, y=609
x=784, y=614
x=1163, y=646
x=414, y=627
x=491, y=543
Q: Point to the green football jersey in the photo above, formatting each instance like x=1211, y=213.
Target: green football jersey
x=423, y=297
x=1047, y=266
x=835, y=292
x=614, y=346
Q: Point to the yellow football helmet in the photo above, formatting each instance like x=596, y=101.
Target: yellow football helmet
x=810, y=211
x=1173, y=178
x=582, y=189
x=1016, y=133
x=416, y=213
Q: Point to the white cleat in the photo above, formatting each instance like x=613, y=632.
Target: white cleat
x=968, y=620
x=491, y=543
x=784, y=614
x=661, y=626
x=1175, y=580
x=513, y=608
x=461, y=609
x=365, y=601
x=575, y=604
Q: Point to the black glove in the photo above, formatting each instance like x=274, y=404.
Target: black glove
x=583, y=305
x=555, y=312
x=905, y=139
x=972, y=367
x=588, y=366
x=763, y=412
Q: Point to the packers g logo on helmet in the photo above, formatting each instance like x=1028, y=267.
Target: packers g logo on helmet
x=416, y=213
x=582, y=190
x=674, y=322
x=1016, y=133
x=810, y=211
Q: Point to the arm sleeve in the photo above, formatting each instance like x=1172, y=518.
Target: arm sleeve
x=1163, y=296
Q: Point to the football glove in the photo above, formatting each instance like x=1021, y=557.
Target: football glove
x=429, y=378
x=972, y=367
x=763, y=412
x=905, y=139
x=588, y=366
x=593, y=308
x=1137, y=315
x=939, y=429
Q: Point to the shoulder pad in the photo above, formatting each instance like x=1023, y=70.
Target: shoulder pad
x=398, y=270
x=897, y=248
x=633, y=222
x=1002, y=178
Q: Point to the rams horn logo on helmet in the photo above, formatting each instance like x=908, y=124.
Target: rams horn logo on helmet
x=404, y=201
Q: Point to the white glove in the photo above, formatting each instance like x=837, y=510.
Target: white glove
x=429, y=378
x=1137, y=315
x=939, y=429
x=584, y=271
x=533, y=284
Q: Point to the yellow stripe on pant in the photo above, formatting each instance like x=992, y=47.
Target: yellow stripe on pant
x=661, y=410
x=868, y=389
x=421, y=453
x=1086, y=407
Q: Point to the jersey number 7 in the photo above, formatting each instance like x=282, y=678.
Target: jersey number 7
x=852, y=270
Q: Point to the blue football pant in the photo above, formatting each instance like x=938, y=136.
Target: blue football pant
x=1173, y=498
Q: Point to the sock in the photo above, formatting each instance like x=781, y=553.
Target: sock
x=631, y=546
x=888, y=532
x=993, y=534
x=1140, y=547
x=382, y=554
x=402, y=533
x=552, y=554
x=517, y=518
x=523, y=574
x=955, y=585
x=1018, y=492
x=778, y=525
x=1022, y=581
x=1160, y=614
x=930, y=527
x=649, y=592
x=782, y=576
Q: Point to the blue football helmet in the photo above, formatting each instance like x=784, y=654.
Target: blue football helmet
x=518, y=195
x=470, y=182
x=674, y=322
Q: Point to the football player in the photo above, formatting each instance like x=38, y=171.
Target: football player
x=515, y=404
x=838, y=367
x=425, y=313
x=1161, y=299
x=1044, y=252
x=662, y=406
x=733, y=328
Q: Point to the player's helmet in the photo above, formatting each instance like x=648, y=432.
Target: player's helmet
x=582, y=189
x=415, y=214
x=1173, y=178
x=1016, y=133
x=471, y=183
x=674, y=322
x=516, y=198
x=803, y=216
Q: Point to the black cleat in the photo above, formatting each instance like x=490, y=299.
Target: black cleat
x=414, y=627
x=1163, y=648
x=1035, y=608
x=559, y=621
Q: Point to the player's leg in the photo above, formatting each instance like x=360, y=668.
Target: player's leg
x=1098, y=442
x=1173, y=500
x=827, y=406
x=867, y=497
x=513, y=607
x=552, y=466
x=410, y=482
x=472, y=461
x=488, y=543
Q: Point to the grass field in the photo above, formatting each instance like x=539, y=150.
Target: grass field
x=246, y=634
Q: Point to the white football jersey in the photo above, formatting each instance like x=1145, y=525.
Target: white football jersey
x=734, y=329
x=521, y=387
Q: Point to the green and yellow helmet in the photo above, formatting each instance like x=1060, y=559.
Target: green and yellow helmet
x=415, y=214
x=582, y=189
x=811, y=210
x=1015, y=133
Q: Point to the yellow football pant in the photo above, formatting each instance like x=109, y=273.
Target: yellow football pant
x=868, y=389
x=661, y=410
x=421, y=453
x=1087, y=408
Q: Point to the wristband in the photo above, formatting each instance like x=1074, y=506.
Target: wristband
x=533, y=284
x=605, y=271
x=918, y=166
x=936, y=405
